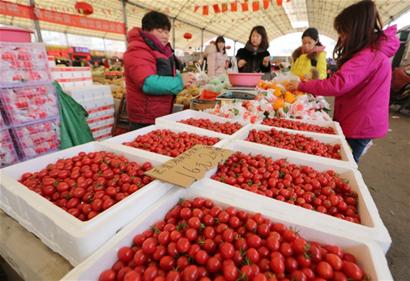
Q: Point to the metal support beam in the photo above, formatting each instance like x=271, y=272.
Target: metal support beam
x=173, y=33
x=124, y=16
x=36, y=22
x=202, y=39
x=234, y=47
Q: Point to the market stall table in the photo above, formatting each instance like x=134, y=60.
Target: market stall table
x=27, y=255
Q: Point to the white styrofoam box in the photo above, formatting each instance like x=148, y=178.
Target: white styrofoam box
x=173, y=120
x=345, y=151
x=333, y=124
x=75, y=240
x=90, y=92
x=128, y=137
x=371, y=226
x=369, y=255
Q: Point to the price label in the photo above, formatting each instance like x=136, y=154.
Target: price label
x=191, y=165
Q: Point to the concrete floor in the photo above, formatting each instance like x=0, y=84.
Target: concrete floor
x=386, y=170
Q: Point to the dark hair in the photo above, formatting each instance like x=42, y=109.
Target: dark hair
x=361, y=25
x=262, y=32
x=312, y=33
x=220, y=39
x=153, y=20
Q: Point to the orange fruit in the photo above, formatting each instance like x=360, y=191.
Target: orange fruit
x=289, y=97
x=279, y=103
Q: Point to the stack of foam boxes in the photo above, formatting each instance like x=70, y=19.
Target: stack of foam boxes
x=28, y=103
x=99, y=103
x=96, y=99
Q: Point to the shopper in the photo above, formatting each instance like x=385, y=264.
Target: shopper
x=216, y=57
x=150, y=71
x=362, y=83
x=255, y=56
x=309, y=60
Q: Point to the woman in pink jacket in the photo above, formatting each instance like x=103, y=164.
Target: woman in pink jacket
x=362, y=83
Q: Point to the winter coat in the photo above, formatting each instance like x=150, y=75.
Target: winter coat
x=303, y=65
x=216, y=61
x=362, y=89
x=253, y=59
x=151, y=78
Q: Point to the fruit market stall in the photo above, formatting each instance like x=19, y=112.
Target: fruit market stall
x=301, y=204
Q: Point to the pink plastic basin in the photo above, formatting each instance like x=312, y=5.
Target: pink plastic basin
x=244, y=79
x=15, y=34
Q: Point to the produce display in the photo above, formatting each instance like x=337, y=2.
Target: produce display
x=21, y=62
x=25, y=104
x=224, y=128
x=187, y=95
x=303, y=186
x=296, y=125
x=169, y=143
x=8, y=154
x=295, y=142
x=198, y=240
x=88, y=183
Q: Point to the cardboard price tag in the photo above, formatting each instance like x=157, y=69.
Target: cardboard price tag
x=190, y=166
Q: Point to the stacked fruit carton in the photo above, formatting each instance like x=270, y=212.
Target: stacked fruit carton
x=27, y=101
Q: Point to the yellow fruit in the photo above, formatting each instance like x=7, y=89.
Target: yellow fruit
x=279, y=103
x=289, y=97
x=278, y=92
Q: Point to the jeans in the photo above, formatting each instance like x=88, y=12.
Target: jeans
x=357, y=146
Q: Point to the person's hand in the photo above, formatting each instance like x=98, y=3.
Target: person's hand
x=266, y=61
x=187, y=78
x=241, y=63
x=293, y=85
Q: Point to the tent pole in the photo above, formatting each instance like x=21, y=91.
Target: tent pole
x=36, y=22
x=173, y=33
x=234, y=48
x=202, y=39
x=124, y=16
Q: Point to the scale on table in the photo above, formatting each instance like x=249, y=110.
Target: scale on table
x=236, y=94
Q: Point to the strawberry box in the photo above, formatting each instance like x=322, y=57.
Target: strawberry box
x=60, y=230
x=368, y=254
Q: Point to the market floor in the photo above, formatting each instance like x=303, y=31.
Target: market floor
x=386, y=170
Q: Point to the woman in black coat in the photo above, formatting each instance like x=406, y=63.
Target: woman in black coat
x=255, y=56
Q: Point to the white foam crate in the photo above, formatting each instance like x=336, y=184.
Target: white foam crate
x=173, y=120
x=333, y=124
x=345, y=151
x=372, y=226
x=369, y=255
x=75, y=240
x=128, y=137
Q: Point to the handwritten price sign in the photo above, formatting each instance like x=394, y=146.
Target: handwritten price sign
x=190, y=166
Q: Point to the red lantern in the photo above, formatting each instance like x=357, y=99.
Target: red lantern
x=227, y=47
x=84, y=8
x=187, y=35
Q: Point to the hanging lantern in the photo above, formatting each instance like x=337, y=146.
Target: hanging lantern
x=84, y=8
x=227, y=47
x=187, y=35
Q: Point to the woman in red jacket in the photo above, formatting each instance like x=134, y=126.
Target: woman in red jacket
x=150, y=71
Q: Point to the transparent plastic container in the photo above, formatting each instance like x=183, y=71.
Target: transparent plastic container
x=29, y=103
x=8, y=154
x=37, y=138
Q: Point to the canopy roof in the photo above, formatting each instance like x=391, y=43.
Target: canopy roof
x=291, y=16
